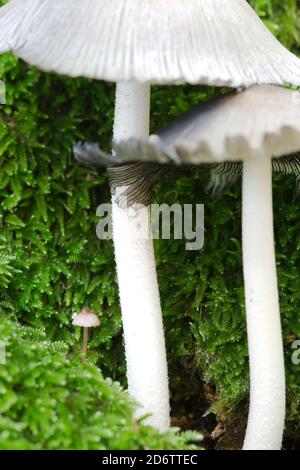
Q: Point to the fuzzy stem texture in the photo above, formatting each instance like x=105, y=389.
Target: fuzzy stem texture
x=267, y=375
x=139, y=294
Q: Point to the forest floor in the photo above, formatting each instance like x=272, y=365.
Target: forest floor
x=188, y=413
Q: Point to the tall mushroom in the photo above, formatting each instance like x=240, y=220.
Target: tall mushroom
x=138, y=42
x=251, y=126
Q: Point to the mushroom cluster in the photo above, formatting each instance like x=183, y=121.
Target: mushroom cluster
x=244, y=127
x=136, y=43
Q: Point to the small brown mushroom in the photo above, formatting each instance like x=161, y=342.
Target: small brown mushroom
x=86, y=319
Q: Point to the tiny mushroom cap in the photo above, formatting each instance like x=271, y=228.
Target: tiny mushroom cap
x=257, y=122
x=216, y=42
x=86, y=318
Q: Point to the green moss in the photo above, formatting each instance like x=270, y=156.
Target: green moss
x=51, y=402
x=52, y=264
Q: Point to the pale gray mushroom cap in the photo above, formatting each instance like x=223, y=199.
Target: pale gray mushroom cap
x=258, y=122
x=86, y=318
x=214, y=42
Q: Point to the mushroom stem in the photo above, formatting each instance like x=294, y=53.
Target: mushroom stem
x=267, y=376
x=85, y=343
x=139, y=294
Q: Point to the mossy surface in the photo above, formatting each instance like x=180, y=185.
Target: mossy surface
x=52, y=264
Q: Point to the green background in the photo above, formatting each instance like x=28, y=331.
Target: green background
x=52, y=264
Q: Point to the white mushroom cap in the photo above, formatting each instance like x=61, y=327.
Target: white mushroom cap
x=213, y=42
x=86, y=318
x=261, y=121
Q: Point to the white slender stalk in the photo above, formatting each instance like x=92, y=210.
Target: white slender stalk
x=139, y=295
x=267, y=376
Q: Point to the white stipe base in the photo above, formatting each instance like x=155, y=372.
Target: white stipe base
x=139, y=295
x=267, y=376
